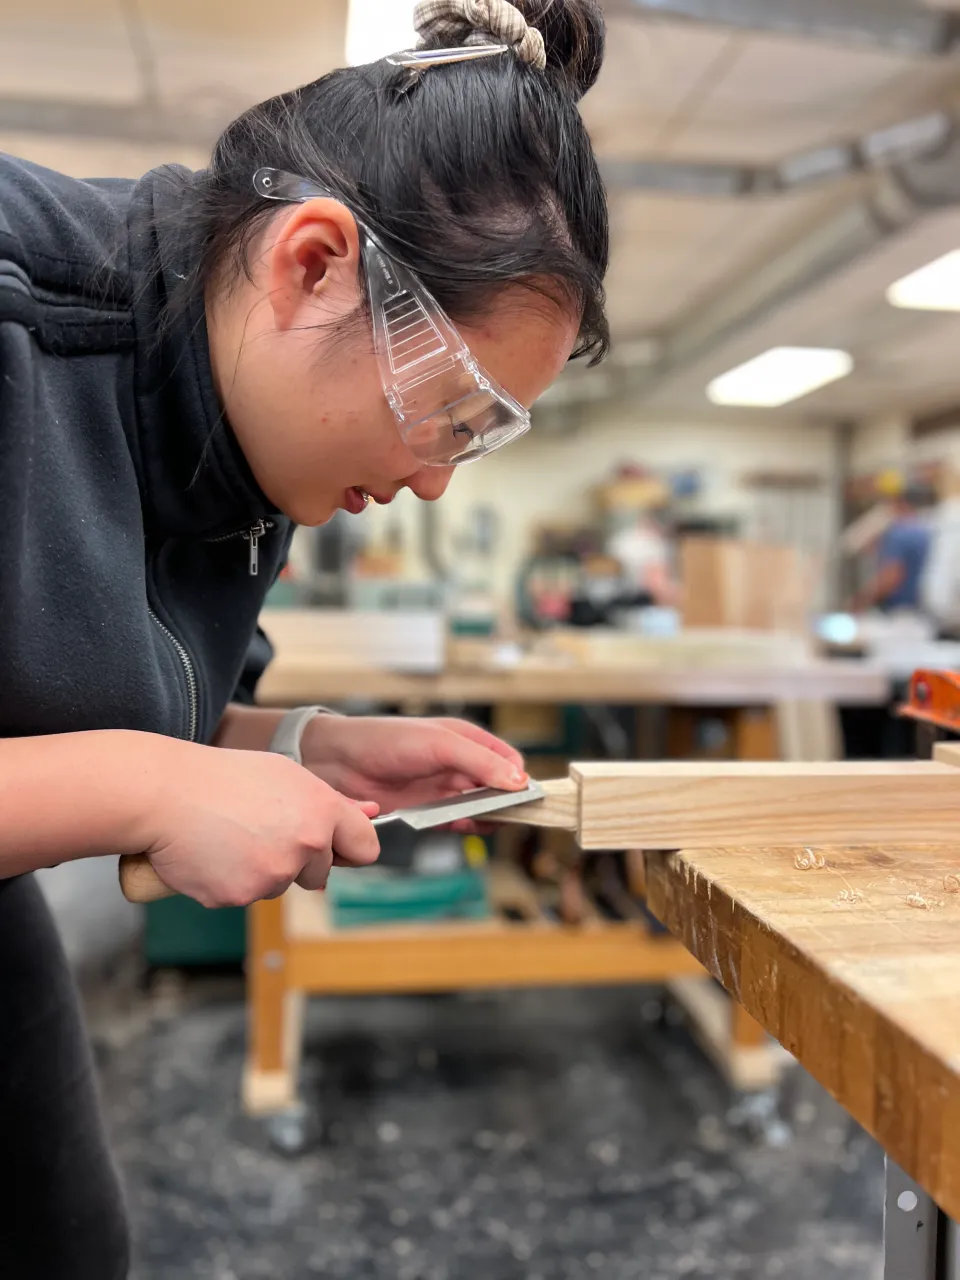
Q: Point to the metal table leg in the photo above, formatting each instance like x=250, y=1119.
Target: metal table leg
x=919, y=1242
x=951, y=1252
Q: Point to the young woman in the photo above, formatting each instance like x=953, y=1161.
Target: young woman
x=372, y=282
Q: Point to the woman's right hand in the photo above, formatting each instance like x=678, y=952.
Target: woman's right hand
x=230, y=827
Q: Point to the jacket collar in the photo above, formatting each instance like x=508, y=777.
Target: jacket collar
x=196, y=480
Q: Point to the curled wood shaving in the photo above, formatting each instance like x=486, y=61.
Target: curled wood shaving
x=849, y=895
x=951, y=884
x=809, y=860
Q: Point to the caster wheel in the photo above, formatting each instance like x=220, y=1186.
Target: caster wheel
x=757, y=1115
x=288, y=1132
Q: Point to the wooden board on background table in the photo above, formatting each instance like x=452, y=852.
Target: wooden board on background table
x=693, y=669
x=730, y=582
x=850, y=957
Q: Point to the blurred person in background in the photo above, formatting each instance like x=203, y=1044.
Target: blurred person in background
x=190, y=365
x=901, y=555
x=643, y=549
x=940, y=588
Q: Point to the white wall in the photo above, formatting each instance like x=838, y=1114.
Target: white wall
x=886, y=442
x=879, y=443
x=545, y=478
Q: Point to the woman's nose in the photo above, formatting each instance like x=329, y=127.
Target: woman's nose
x=430, y=483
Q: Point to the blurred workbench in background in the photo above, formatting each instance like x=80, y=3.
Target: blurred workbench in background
x=776, y=701
x=317, y=661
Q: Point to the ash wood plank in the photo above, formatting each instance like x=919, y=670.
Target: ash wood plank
x=559, y=808
x=693, y=805
x=853, y=965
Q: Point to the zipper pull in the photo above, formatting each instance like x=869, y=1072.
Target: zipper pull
x=253, y=536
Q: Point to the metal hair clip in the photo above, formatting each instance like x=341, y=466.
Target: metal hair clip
x=421, y=59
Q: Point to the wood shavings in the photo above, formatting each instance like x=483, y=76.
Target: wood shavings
x=951, y=884
x=849, y=895
x=917, y=901
x=809, y=860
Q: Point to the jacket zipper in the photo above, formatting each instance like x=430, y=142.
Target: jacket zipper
x=253, y=535
x=187, y=663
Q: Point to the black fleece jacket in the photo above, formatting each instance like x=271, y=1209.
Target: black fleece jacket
x=126, y=505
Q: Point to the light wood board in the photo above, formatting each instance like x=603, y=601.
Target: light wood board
x=682, y=805
x=853, y=965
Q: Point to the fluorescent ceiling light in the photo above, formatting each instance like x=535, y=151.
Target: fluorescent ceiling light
x=780, y=375
x=378, y=27
x=935, y=287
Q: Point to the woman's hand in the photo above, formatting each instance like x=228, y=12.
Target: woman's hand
x=230, y=827
x=400, y=762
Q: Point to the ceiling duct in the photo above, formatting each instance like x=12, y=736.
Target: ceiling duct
x=898, y=143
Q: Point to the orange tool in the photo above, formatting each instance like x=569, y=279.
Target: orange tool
x=933, y=702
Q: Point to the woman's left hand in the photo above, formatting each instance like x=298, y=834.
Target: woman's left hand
x=399, y=762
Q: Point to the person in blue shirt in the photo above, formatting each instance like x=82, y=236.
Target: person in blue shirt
x=901, y=557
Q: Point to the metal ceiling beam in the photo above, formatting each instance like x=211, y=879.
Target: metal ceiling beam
x=147, y=122
x=895, y=144
x=897, y=26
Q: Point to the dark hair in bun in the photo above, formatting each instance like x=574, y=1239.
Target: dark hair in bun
x=478, y=175
x=574, y=33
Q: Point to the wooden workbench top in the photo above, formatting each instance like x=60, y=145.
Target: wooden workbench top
x=698, y=669
x=851, y=959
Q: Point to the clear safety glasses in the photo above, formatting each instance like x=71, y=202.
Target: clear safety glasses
x=448, y=408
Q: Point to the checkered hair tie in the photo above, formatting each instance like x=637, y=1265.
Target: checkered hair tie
x=466, y=22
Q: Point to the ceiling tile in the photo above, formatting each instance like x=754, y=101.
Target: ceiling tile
x=221, y=52
x=784, y=96
x=650, y=71
x=61, y=50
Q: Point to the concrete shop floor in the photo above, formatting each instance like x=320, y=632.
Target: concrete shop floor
x=530, y=1135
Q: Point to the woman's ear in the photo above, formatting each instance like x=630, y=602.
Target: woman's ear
x=313, y=261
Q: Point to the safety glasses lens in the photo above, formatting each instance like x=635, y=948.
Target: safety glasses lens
x=464, y=431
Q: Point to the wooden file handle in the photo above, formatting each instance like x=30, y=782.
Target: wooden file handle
x=139, y=882
x=558, y=808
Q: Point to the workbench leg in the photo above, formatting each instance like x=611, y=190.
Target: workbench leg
x=274, y=1016
x=951, y=1252
x=745, y=1032
x=912, y=1224
x=754, y=732
x=749, y=1060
